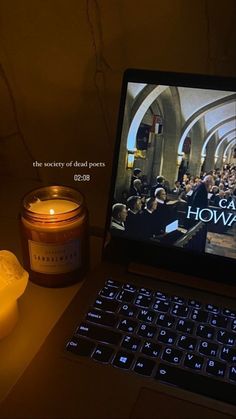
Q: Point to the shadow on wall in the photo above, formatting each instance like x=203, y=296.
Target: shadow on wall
x=62, y=74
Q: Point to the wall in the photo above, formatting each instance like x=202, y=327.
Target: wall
x=61, y=65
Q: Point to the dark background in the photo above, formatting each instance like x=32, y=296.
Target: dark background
x=61, y=66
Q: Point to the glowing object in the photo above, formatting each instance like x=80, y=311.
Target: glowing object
x=53, y=206
x=13, y=281
x=54, y=233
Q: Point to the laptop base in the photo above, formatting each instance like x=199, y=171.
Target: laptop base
x=57, y=384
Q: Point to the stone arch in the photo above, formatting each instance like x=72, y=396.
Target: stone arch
x=199, y=114
x=140, y=98
x=222, y=140
x=135, y=109
x=139, y=112
x=211, y=133
x=172, y=127
x=164, y=148
x=231, y=143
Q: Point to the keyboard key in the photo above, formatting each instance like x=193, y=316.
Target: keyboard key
x=103, y=353
x=123, y=360
x=194, y=361
x=232, y=373
x=161, y=295
x=109, y=292
x=126, y=296
x=151, y=349
x=127, y=325
x=208, y=348
x=128, y=310
x=106, y=305
x=194, y=303
x=147, y=331
x=160, y=305
x=180, y=310
x=165, y=320
x=103, y=318
x=199, y=315
x=172, y=355
x=143, y=301
x=185, y=325
x=226, y=337
x=131, y=343
x=219, y=321
x=191, y=381
x=129, y=287
x=147, y=316
x=144, y=366
x=146, y=291
x=233, y=325
x=228, y=354
x=166, y=336
x=212, y=308
x=99, y=333
x=206, y=332
x=178, y=300
x=215, y=368
x=113, y=283
x=187, y=342
x=229, y=313
x=80, y=346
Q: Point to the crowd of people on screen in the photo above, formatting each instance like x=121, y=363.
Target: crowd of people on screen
x=143, y=211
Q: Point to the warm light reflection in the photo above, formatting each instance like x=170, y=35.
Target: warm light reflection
x=13, y=281
x=53, y=206
x=130, y=160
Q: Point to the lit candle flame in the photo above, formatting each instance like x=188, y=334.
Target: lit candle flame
x=51, y=211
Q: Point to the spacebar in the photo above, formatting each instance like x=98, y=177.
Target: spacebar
x=197, y=383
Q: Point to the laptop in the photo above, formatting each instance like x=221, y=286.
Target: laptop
x=172, y=226
x=152, y=332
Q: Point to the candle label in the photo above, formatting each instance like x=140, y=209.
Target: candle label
x=51, y=258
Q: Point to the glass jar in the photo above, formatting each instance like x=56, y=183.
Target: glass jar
x=54, y=232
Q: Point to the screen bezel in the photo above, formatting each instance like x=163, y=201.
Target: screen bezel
x=124, y=250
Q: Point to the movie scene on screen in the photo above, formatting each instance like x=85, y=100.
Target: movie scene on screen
x=176, y=176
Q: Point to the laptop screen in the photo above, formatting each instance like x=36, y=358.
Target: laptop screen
x=172, y=226
x=176, y=164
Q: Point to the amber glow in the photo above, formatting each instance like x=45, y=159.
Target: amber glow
x=13, y=281
x=53, y=206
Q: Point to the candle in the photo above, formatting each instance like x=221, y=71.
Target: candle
x=54, y=230
x=13, y=281
x=53, y=206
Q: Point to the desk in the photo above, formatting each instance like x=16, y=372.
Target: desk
x=39, y=310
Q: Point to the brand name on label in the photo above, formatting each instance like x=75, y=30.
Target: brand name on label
x=51, y=258
x=64, y=258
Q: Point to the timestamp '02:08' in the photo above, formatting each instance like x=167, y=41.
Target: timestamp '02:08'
x=82, y=178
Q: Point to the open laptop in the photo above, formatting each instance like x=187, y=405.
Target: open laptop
x=173, y=226
x=152, y=332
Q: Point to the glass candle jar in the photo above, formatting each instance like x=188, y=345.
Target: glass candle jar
x=54, y=232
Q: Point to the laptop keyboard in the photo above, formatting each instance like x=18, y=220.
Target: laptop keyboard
x=168, y=338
